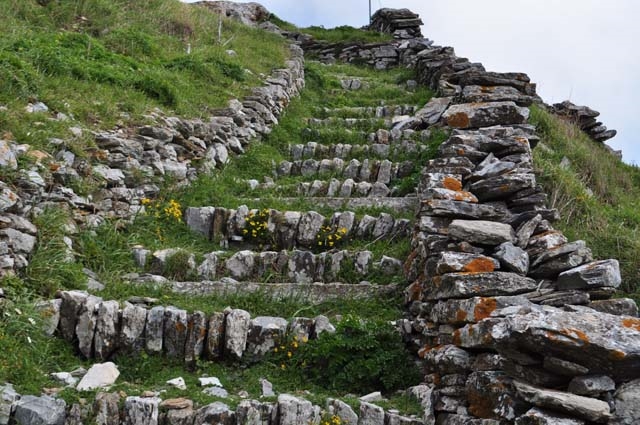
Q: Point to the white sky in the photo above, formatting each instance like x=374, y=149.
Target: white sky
x=582, y=50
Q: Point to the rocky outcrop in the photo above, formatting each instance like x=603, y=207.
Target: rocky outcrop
x=402, y=23
x=585, y=118
x=248, y=13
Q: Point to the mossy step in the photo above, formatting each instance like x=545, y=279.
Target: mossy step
x=381, y=111
x=313, y=293
x=330, y=135
x=381, y=171
x=298, y=266
x=379, y=148
x=356, y=123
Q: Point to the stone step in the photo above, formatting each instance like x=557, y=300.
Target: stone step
x=326, y=188
x=407, y=204
x=296, y=266
x=330, y=135
x=289, y=229
x=381, y=171
x=367, y=111
x=356, y=123
x=375, y=149
x=310, y=292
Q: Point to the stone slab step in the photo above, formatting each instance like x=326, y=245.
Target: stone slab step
x=314, y=292
x=381, y=171
x=332, y=188
x=400, y=204
x=357, y=123
x=300, y=266
x=375, y=149
x=368, y=111
x=288, y=229
x=330, y=135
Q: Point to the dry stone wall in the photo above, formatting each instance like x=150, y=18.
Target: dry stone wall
x=514, y=323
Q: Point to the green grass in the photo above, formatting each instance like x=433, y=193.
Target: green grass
x=598, y=196
x=346, y=34
x=111, y=62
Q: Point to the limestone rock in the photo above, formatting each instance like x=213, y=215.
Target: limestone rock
x=86, y=326
x=591, y=385
x=627, y=403
x=100, y=375
x=294, y=410
x=8, y=396
x=175, y=332
x=154, y=330
x=236, y=329
x=537, y=416
x=106, y=336
x=264, y=334
x=481, y=232
x=72, y=302
x=106, y=409
x=464, y=285
x=43, y=410
x=583, y=407
x=431, y=113
x=133, y=320
x=370, y=414
x=474, y=115
x=512, y=258
x=252, y=412
x=451, y=262
x=617, y=306
x=342, y=410
x=214, y=346
x=196, y=336
x=593, y=275
x=141, y=411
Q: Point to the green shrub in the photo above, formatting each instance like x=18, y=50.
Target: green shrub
x=361, y=356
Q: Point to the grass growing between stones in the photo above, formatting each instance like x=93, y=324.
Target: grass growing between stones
x=598, y=196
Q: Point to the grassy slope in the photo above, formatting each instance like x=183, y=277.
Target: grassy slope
x=597, y=195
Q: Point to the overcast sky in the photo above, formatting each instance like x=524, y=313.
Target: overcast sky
x=586, y=51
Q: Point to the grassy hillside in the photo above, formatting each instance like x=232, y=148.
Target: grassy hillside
x=107, y=62
x=598, y=196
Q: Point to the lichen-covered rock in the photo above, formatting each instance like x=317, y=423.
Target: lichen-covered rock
x=593, y=275
x=141, y=410
x=72, y=302
x=200, y=220
x=252, y=412
x=591, y=385
x=452, y=262
x=465, y=285
x=471, y=310
x=537, y=416
x=236, y=329
x=241, y=265
x=583, y=407
x=8, y=396
x=43, y=410
x=106, y=336
x=264, y=334
x=308, y=228
x=132, y=325
x=214, y=347
x=154, y=329
x=604, y=343
x=474, y=115
x=370, y=414
x=481, y=232
x=342, y=410
x=106, y=409
x=491, y=396
x=512, y=258
x=617, y=306
x=216, y=413
x=175, y=332
x=294, y=410
x=627, y=404
x=86, y=326
x=449, y=359
x=196, y=336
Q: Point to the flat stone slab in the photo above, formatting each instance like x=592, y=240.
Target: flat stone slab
x=481, y=232
x=583, y=407
x=465, y=285
x=472, y=310
x=475, y=115
x=313, y=292
x=598, y=274
x=603, y=343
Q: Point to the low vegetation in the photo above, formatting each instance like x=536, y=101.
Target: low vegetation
x=597, y=195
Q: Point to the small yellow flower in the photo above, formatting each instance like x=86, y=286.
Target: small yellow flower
x=305, y=339
x=275, y=350
x=294, y=344
x=283, y=366
x=289, y=354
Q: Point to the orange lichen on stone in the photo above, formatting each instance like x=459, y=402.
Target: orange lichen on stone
x=457, y=339
x=617, y=355
x=459, y=120
x=479, y=265
x=452, y=183
x=461, y=152
x=487, y=89
x=522, y=140
x=464, y=196
x=631, y=323
x=504, y=188
x=180, y=327
x=576, y=334
x=422, y=353
x=461, y=315
x=484, y=308
x=480, y=406
x=414, y=291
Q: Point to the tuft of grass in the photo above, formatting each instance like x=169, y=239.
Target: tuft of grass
x=597, y=195
x=346, y=34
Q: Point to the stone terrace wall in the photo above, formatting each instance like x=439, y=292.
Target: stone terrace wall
x=128, y=163
x=514, y=323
